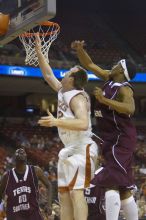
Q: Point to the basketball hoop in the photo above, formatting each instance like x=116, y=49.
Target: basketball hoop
x=48, y=32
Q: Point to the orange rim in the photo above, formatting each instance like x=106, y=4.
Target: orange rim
x=45, y=23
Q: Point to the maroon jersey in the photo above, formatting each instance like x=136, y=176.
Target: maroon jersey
x=119, y=141
x=109, y=121
x=95, y=197
x=22, y=195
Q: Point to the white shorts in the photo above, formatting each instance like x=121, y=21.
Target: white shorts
x=76, y=166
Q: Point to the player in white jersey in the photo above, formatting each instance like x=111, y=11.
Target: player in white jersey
x=77, y=159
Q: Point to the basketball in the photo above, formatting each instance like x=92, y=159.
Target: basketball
x=4, y=23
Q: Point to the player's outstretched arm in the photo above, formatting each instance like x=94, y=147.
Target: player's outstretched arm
x=80, y=123
x=45, y=67
x=124, y=104
x=87, y=62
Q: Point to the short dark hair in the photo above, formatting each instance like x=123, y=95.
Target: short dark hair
x=131, y=67
x=80, y=77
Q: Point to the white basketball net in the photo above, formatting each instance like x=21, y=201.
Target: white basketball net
x=48, y=33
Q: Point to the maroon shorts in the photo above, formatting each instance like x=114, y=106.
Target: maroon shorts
x=117, y=171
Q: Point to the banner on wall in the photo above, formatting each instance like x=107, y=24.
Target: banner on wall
x=23, y=71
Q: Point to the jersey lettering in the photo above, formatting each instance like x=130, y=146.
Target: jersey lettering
x=21, y=207
x=62, y=106
x=87, y=191
x=90, y=200
x=22, y=198
x=22, y=189
x=98, y=113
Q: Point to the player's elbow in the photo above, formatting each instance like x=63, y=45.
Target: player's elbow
x=129, y=110
x=90, y=65
x=84, y=125
x=85, y=128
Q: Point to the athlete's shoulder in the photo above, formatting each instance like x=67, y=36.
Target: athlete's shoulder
x=37, y=170
x=126, y=89
x=68, y=96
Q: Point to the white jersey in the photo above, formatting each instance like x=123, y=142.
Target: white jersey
x=72, y=137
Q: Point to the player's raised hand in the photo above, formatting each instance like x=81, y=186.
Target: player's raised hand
x=37, y=43
x=76, y=45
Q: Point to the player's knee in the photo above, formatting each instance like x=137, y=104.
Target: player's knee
x=125, y=194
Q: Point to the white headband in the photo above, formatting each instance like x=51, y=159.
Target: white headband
x=123, y=64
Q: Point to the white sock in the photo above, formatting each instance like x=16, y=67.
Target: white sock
x=112, y=204
x=130, y=208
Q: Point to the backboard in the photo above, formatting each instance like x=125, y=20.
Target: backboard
x=24, y=15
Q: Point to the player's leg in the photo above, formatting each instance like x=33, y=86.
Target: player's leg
x=66, y=207
x=79, y=204
x=112, y=204
x=83, y=172
x=129, y=205
x=117, y=172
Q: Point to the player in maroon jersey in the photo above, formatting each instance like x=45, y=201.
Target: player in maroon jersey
x=114, y=107
x=20, y=185
x=95, y=197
